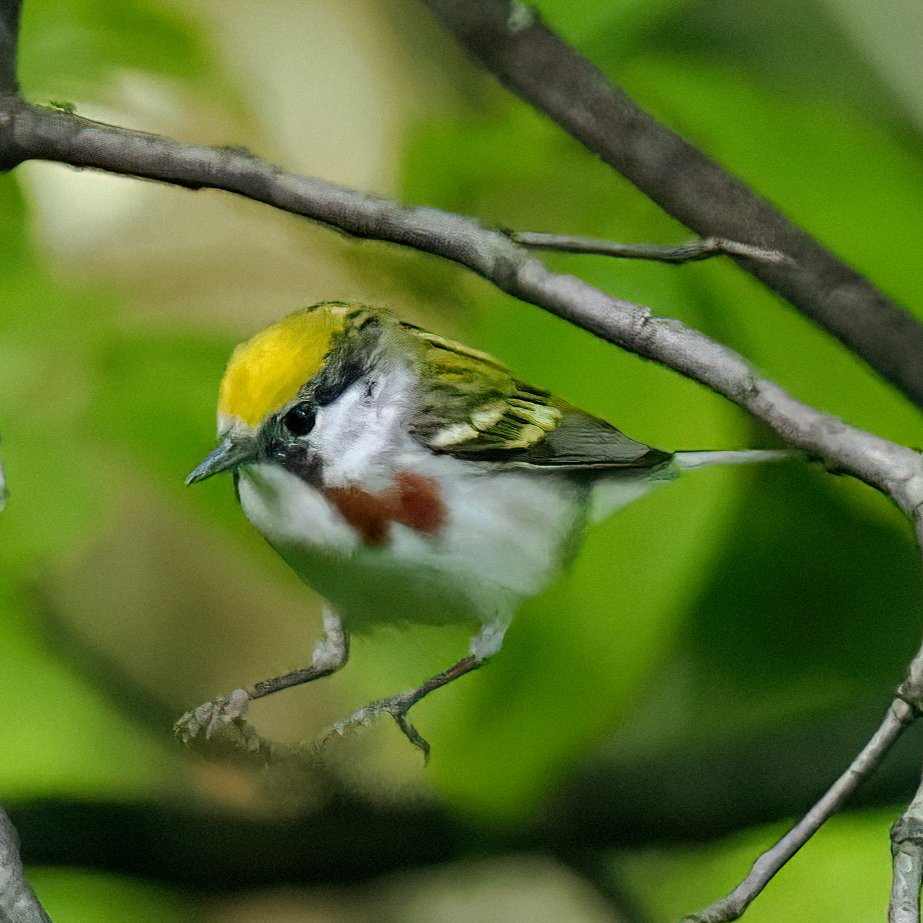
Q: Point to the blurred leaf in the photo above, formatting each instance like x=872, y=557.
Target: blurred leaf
x=810, y=604
x=156, y=396
x=586, y=22
x=887, y=44
x=153, y=411
x=500, y=157
x=60, y=735
x=45, y=380
x=88, y=897
x=15, y=254
x=832, y=615
x=78, y=47
x=798, y=47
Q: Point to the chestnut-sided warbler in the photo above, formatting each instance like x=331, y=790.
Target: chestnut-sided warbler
x=408, y=478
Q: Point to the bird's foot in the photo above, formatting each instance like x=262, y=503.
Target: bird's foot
x=397, y=707
x=222, y=720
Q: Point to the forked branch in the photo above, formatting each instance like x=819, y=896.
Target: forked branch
x=52, y=134
x=510, y=41
x=906, y=835
x=899, y=716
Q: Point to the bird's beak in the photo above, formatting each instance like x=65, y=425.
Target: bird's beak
x=234, y=449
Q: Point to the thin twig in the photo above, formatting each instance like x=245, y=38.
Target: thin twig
x=900, y=715
x=18, y=903
x=509, y=39
x=702, y=249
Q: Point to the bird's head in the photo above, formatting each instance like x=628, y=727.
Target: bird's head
x=279, y=381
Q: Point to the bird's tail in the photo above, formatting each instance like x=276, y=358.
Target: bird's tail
x=611, y=494
x=685, y=460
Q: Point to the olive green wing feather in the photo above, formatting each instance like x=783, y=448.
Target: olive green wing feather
x=473, y=407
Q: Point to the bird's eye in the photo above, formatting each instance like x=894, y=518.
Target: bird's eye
x=299, y=421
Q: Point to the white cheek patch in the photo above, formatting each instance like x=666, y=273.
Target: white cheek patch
x=356, y=435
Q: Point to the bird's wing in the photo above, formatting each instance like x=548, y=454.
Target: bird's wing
x=473, y=407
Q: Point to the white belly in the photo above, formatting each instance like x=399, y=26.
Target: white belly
x=503, y=539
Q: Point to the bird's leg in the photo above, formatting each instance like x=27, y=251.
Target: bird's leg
x=330, y=654
x=398, y=706
x=227, y=712
x=484, y=645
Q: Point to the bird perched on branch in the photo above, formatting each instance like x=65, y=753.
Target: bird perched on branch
x=408, y=478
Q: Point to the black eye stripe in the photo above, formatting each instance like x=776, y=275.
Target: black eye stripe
x=300, y=420
x=337, y=378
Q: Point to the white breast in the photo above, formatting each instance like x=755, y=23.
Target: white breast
x=502, y=539
x=288, y=511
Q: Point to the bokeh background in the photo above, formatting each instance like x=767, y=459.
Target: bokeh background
x=719, y=651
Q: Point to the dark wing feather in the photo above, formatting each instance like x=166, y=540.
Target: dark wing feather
x=473, y=407
x=588, y=443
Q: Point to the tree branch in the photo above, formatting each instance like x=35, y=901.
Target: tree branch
x=52, y=134
x=906, y=835
x=907, y=832
x=907, y=860
x=510, y=41
x=899, y=716
x=702, y=249
x=9, y=38
x=704, y=792
x=185, y=844
x=18, y=903
x=345, y=838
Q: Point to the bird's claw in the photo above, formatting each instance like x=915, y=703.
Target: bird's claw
x=396, y=707
x=221, y=719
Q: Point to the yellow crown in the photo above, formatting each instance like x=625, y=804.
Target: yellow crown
x=268, y=370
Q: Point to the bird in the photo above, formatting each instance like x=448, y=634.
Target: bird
x=409, y=478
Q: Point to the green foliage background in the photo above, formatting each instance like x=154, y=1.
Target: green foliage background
x=728, y=604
